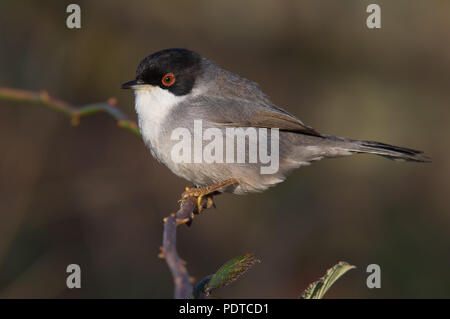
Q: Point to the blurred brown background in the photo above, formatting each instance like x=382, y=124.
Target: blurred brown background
x=93, y=195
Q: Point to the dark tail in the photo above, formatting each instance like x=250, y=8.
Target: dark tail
x=392, y=152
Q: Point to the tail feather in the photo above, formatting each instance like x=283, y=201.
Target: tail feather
x=392, y=152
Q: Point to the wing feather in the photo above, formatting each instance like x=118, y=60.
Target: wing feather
x=232, y=112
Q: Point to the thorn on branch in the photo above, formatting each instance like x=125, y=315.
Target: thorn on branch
x=161, y=253
x=45, y=96
x=75, y=119
x=112, y=101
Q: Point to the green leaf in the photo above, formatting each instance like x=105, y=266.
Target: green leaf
x=317, y=289
x=230, y=271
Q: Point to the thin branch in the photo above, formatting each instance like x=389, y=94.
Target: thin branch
x=181, y=278
x=75, y=113
x=177, y=266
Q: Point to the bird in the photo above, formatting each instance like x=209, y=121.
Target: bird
x=177, y=88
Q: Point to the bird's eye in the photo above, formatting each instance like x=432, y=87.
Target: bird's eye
x=168, y=79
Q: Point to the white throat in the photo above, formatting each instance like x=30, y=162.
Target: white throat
x=152, y=105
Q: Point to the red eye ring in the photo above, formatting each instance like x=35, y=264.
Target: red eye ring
x=168, y=79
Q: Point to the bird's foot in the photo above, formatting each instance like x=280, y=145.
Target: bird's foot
x=204, y=195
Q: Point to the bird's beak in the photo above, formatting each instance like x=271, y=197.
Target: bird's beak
x=135, y=84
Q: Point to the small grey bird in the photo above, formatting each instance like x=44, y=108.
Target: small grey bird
x=175, y=87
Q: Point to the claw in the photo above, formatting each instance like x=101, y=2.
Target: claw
x=199, y=204
x=210, y=202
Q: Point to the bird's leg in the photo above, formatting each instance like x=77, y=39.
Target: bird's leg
x=207, y=193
